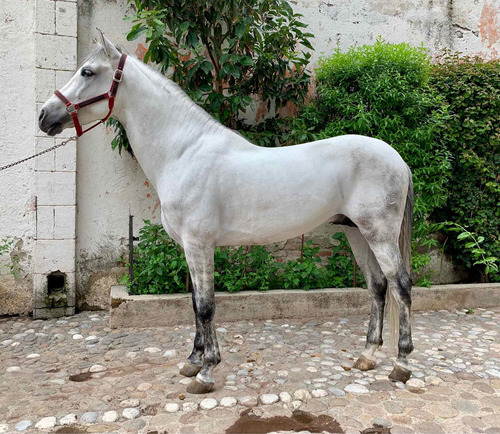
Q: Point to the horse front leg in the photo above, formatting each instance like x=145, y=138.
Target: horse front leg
x=195, y=360
x=205, y=356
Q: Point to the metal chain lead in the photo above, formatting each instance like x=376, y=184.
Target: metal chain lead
x=65, y=142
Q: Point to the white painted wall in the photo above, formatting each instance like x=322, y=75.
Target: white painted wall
x=17, y=116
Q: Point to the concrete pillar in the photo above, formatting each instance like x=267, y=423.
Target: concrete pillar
x=54, y=255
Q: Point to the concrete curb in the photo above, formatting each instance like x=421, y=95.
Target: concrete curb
x=174, y=309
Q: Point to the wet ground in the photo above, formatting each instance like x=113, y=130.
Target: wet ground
x=77, y=375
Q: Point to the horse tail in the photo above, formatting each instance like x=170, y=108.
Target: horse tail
x=405, y=237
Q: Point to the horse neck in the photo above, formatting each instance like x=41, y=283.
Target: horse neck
x=160, y=122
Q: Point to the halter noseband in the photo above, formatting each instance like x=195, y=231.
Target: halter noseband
x=72, y=109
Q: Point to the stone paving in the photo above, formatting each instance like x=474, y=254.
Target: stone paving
x=77, y=375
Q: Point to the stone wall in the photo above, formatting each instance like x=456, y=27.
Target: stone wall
x=55, y=61
x=42, y=42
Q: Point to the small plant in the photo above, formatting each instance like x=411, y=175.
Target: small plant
x=6, y=247
x=472, y=244
x=159, y=264
x=120, y=140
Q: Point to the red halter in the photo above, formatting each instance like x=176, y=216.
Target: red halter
x=72, y=109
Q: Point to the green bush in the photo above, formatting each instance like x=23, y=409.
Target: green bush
x=382, y=91
x=160, y=267
x=471, y=88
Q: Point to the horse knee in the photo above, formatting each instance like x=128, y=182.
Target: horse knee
x=205, y=312
x=378, y=289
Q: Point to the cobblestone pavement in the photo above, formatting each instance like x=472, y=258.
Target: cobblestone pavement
x=77, y=375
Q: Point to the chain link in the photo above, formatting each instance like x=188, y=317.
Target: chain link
x=65, y=142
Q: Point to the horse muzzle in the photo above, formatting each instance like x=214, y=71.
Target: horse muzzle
x=53, y=121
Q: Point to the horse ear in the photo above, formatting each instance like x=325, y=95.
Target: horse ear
x=109, y=48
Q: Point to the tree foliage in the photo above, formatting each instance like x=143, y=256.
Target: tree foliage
x=225, y=54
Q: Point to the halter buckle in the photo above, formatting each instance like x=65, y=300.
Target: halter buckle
x=118, y=75
x=71, y=109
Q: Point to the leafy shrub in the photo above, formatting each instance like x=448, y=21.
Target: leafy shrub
x=382, y=91
x=471, y=87
x=160, y=267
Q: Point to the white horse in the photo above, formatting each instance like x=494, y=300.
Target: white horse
x=217, y=189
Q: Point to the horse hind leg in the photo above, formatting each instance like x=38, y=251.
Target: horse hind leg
x=389, y=258
x=377, y=285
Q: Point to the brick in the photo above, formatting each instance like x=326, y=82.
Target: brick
x=64, y=226
x=45, y=222
x=53, y=255
x=66, y=157
x=45, y=84
x=66, y=19
x=56, y=188
x=55, y=52
x=45, y=162
x=45, y=16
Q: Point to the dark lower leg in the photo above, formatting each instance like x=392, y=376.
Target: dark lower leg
x=204, y=381
x=196, y=356
x=374, y=335
x=401, y=371
x=195, y=359
x=367, y=359
x=405, y=344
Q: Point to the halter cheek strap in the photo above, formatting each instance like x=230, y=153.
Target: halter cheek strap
x=72, y=109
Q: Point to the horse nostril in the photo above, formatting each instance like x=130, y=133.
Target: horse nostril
x=42, y=115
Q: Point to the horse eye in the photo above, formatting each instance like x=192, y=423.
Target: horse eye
x=87, y=72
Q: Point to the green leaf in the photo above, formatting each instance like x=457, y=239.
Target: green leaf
x=135, y=32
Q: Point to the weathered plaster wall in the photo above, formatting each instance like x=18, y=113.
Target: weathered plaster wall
x=17, y=115
x=108, y=186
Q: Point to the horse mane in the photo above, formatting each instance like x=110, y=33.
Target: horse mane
x=178, y=94
x=181, y=97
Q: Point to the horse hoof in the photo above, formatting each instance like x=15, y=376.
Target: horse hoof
x=364, y=363
x=190, y=370
x=198, y=388
x=400, y=374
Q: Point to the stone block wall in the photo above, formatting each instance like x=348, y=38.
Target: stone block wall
x=55, y=61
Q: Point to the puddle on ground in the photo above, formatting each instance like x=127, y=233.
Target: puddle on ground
x=249, y=423
x=78, y=378
x=71, y=429
x=119, y=371
x=376, y=429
